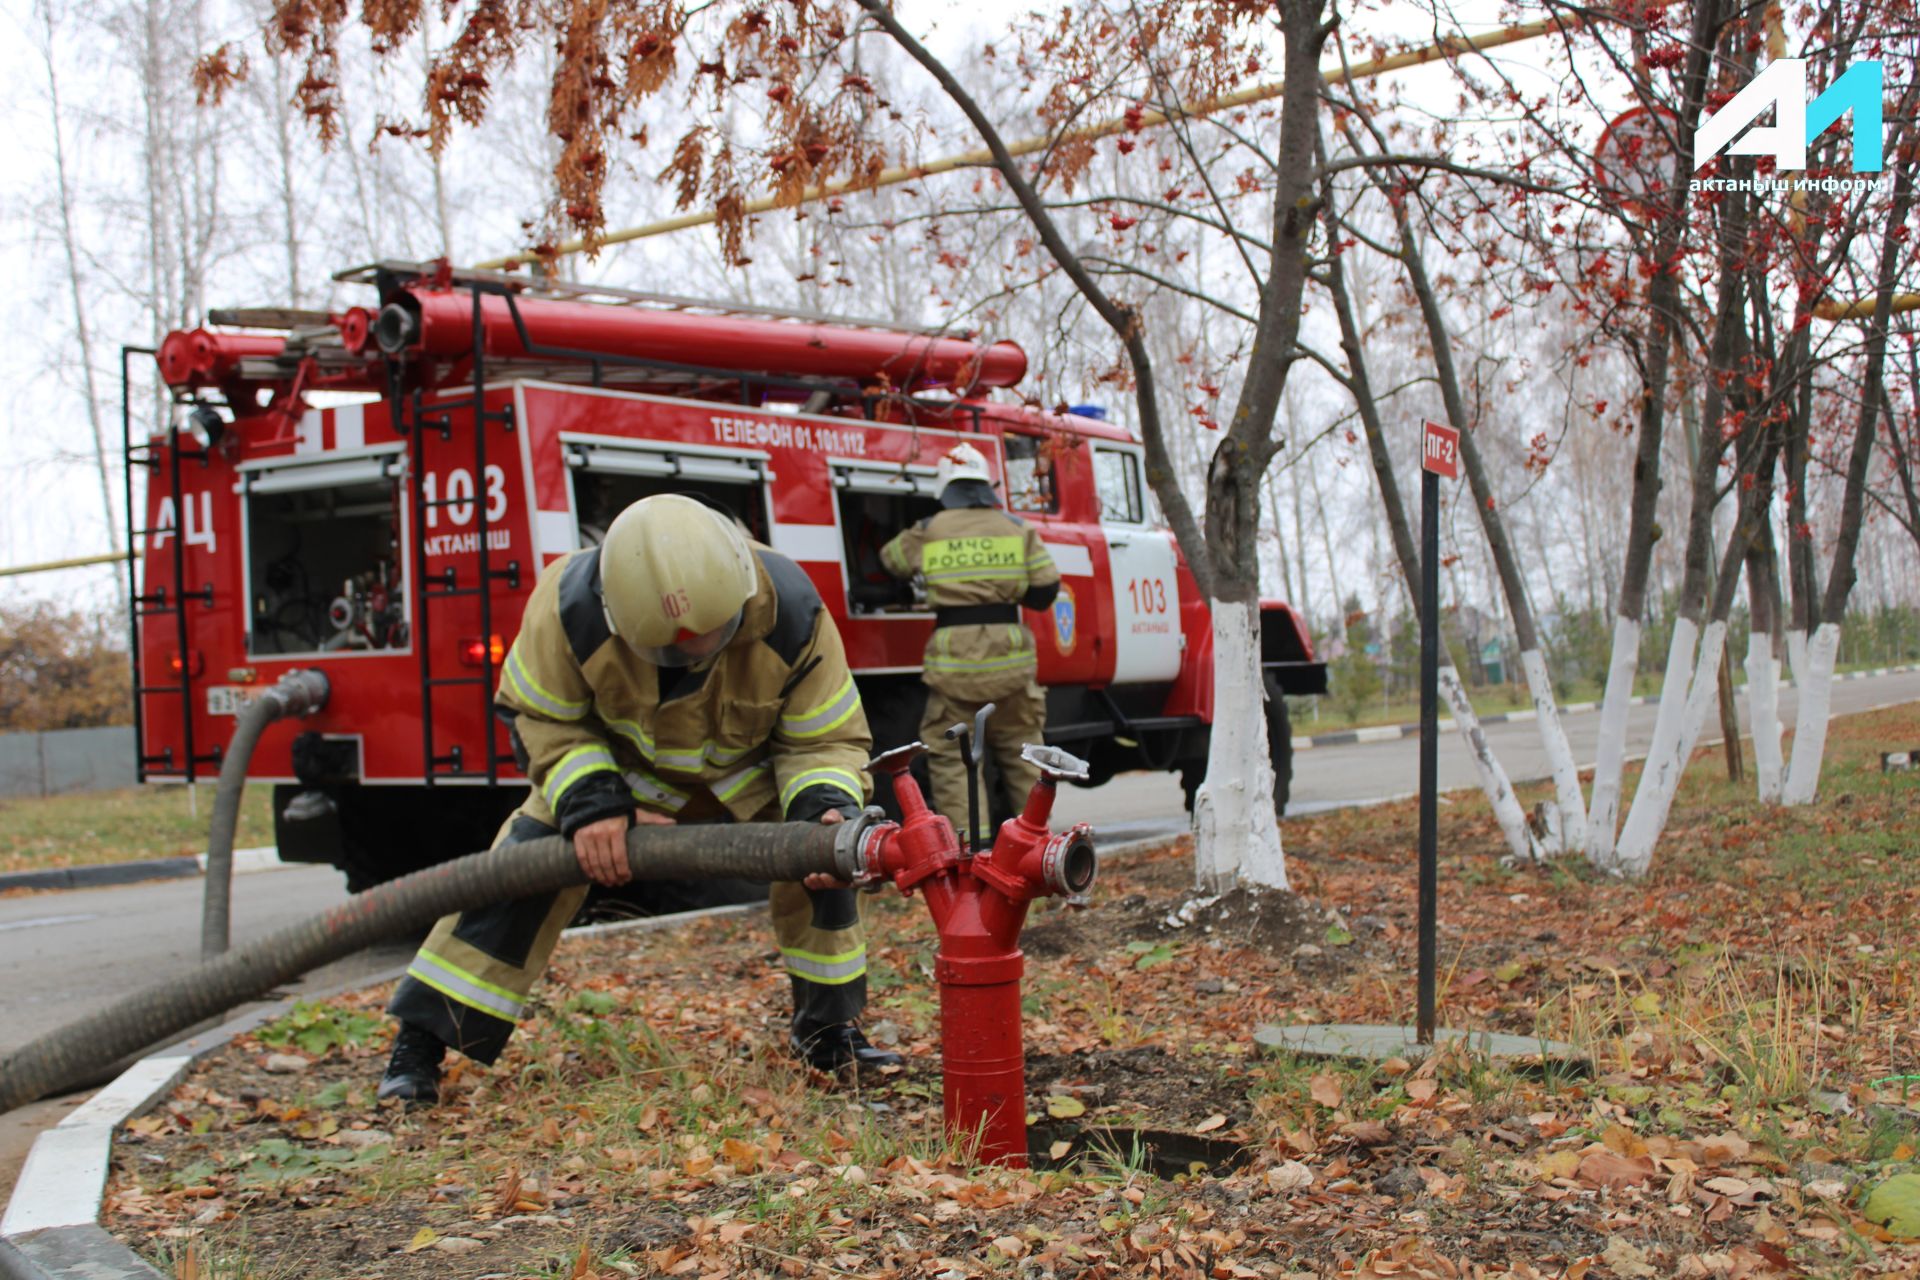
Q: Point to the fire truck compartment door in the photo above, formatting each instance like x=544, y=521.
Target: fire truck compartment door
x=664, y=463
x=1146, y=595
x=335, y=471
x=855, y=477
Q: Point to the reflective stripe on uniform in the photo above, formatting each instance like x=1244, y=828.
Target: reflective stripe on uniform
x=572, y=767
x=844, y=779
x=829, y=970
x=727, y=788
x=1038, y=561
x=632, y=732
x=940, y=662
x=647, y=788
x=696, y=759
x=826, y=717
x=1017, y=573
x=455, y=983
x=529, y=691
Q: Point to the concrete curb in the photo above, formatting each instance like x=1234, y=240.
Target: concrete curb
x=104, y=874
x=51, y=1226
x=1394, y=732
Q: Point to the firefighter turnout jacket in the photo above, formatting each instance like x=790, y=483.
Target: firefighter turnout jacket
x=771, y=728
x=980, y=566
x=775, y=718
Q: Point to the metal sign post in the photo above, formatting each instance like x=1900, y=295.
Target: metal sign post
x=1439, y=456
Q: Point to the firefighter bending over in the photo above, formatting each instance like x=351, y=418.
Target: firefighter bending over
x=980, y=566
x=678, y=673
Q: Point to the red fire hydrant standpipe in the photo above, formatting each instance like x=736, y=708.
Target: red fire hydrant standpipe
x=979, y=903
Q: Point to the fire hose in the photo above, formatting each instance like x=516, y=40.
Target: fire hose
x=297, y=693
x=978, y=900
x=746, y=851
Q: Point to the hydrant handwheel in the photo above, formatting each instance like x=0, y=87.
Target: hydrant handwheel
x=1056, y=762
x=898, y=759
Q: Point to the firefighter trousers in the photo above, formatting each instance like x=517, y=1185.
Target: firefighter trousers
x=1017, y=719
x=470, y=980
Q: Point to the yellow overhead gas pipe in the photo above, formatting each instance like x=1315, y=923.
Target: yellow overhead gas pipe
x=1863, y=309
x=1450, y=47
x=78, y=562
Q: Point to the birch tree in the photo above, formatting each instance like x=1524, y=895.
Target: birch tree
x=1810, y=728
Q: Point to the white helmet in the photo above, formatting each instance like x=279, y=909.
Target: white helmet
x=675, y=576
x=962, y=462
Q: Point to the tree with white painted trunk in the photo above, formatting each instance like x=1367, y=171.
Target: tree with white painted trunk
x=1660, y=259
x=1816, y=682
x=1566, y=829
x=1764, y=633
x=1699, y=631
x=1494, y=784
x=1236, y=832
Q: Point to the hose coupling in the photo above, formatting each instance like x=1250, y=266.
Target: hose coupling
x=855, y=847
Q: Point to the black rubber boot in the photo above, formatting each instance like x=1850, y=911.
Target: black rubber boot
x=413, y=1072
x=836, y=1048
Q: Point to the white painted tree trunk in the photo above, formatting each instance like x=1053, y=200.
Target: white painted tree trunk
x=1570, y=831
x=1493, y=779
x=1810, y=725
x=1667, y=724
x=1603, y=818
x=1660, y=779
x=1797, y=657
x=1763, y=713
x=1236, y=837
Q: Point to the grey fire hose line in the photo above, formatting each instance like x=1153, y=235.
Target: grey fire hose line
x=14, y=1265
x=297, y=693
x=759, y=851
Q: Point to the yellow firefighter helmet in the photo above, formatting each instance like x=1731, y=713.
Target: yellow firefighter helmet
x=674, y=577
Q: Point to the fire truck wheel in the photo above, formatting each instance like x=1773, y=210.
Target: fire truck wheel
x=1279, y=744
x=1279, y=754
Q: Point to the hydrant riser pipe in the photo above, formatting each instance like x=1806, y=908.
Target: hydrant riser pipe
x=746, y=851
x=984, y=1066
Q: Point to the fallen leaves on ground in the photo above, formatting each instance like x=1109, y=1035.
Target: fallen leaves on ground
x=1748, y=1012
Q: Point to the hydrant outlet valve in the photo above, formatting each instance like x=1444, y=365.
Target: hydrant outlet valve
x=979, y=905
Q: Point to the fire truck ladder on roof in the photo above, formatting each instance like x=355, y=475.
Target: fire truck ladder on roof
x=414, y=419
x=160, y=603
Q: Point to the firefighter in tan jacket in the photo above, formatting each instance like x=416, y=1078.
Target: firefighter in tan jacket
x=980, y=566
x=678, y=673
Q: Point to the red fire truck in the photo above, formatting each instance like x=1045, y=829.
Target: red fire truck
x=496, y=423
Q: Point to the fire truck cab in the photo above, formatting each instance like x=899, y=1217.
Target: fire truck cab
x=498, y=423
